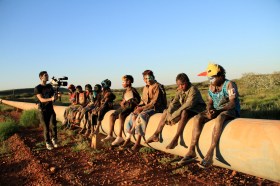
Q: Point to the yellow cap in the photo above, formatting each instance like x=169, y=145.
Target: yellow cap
x=212, y=70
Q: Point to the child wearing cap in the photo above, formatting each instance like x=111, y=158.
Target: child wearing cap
x=130, y=99
x=223, y=104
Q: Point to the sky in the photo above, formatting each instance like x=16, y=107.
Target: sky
x=90, y=40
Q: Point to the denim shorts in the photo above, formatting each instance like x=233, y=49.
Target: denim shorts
x=142, y=120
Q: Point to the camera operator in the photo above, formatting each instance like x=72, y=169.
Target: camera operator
x=46, y=96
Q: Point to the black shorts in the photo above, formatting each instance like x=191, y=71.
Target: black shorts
x=123, y=111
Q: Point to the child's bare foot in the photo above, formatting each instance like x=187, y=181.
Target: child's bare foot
x=134, y=149
x=125, y=144
x=172, y=145
x=153, y=138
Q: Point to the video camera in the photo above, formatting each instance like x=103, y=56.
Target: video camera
x=57, y=82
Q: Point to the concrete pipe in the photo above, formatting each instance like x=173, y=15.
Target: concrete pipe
x=59, y=110
x=250, y=146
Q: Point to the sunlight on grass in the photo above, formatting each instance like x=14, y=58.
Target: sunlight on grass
x=65, y=142
x=106, y=144
x=4, y=149
x=7, y=129
x=30, y=118
x=40, y=146
x=171, y=160
x=164, y=160
x=147, y=150
x=6, y=108
x=59, y=125
x=96, y=151
x=81, y=146
x=181, y=171
x=69, y=132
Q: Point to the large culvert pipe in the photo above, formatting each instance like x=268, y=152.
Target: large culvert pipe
x=250, y=146
x=59, y=110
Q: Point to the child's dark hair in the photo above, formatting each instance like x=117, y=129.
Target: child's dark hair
x=148, y=72
x=88, y=86
x=129, y=77
x=79, y=87
x=183, y=77
x=97, y=87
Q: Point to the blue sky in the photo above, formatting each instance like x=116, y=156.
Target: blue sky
x=91, y=40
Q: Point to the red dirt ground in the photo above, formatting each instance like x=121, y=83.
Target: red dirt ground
x=28, y=163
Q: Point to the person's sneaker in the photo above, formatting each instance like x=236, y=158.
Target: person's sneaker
x=54, y=142
x=49, y=146
x=117, y=141
x=108, y=138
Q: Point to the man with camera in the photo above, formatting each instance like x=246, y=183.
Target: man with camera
x=45, y=94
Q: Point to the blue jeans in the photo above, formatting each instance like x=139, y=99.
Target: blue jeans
x=141, y=122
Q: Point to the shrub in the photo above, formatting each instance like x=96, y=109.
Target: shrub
x=7, y=129
x=29, y=118
x=65, y=142
x=6, y=108
x=255, y=82
x=25, y=95
x=81, y=146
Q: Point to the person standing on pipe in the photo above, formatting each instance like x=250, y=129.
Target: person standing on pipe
x=46, y=96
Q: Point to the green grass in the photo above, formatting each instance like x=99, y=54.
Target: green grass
x=7, y=129
x=107, y=144
x=6, y=108
x=59, y=125
x=167, y=160
x=147, y=150
x=40, y=146
x=181, y=171
x=69, y=132
x=93, y=152
x=4, y=149
x=81, y=146
x=66, y=142
x=164, y=160
x=259, y=96
x=29, y=118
